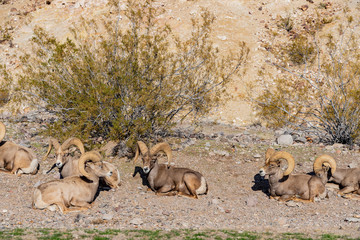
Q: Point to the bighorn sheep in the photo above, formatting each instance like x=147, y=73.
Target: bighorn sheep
x=16, y=159
x=303, y=188
x=69, y=167
x=66, y=166
x=77, y=192
x=348, y=179
x=167, y=180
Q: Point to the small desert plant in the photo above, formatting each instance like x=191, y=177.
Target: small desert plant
x=285, y=23
x=317, y=89
x=6, y=33
x=127, y=82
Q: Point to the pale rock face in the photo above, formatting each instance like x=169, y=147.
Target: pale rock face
x=285, y=140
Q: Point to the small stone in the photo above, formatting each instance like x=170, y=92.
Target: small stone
x=352, y=219
x=285, y=140
x=215, y=201
x=107, y=216
x=257, y=156
x=291, y=204
x=136, y=221
x=251, y=201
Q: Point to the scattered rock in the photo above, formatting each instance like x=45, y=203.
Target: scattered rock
x=107, y=216
x=109, y=148
x=223, y=153
x=215, y=201
x=251, y=201
x=285, y=140
x=352, y=219
x=136, y=221
x=291, y=204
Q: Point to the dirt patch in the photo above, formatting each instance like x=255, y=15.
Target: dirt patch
x=228, y=158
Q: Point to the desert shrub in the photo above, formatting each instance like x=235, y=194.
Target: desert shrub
x=6, y=33
x=126, y=82
x=319, y=91
x=285, y=23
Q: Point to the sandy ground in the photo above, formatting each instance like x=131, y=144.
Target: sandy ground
x=229, y=158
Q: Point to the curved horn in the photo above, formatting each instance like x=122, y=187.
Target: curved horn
x=165, y=147
x=288, y=157
x=73, y=141
x=140, y=148
x=2, y=131
x=324, y=160
x=52, y=142
x=93, y=156
x=268, y=154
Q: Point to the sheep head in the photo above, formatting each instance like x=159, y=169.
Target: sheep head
x=2, y=131
x=114, y=180
x=61, y=150
x=272, y=164
x=96, y=167
x=149, y=158
x=323, y=164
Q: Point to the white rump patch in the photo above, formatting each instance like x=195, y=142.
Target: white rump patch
x=37, y=200
x=33, y=165
x=202, y=189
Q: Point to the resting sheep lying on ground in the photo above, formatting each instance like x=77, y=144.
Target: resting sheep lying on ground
x=76, y=192
x=166, y=180
x=16, y=159
x=285, y=187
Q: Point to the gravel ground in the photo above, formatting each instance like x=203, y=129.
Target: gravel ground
x=228, y=157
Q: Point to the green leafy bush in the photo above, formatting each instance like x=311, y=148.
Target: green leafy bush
x=127, y=83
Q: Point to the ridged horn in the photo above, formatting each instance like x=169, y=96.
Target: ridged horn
x=73, y=141
x=165, y=147
x=288, y=157
x=268, y=154
x=140, y=148
x=2, y=131
x=93, y=156
x=52, y=142
x=324, y=160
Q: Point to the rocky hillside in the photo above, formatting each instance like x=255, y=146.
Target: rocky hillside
x=236, y=20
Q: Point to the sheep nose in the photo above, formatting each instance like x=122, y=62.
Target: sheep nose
x=262, y=172
x=110, y=173
x=146, y=169
x=58, y=164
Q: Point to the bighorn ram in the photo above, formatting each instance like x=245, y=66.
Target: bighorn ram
x=66, y=166
x=167, y=180
x=16, y=159
x=348, y=179
x=69, y=167
x=303, y=188
x=76, y=191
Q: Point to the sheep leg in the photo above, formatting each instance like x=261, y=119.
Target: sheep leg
x=188, y=195
x=347, y=189
x=5, y=171
x=61, y=206
x=285, y=198
x=303, y=200
x=191, y=183
x=172, y=193
x=274, y=197
x=79, y=205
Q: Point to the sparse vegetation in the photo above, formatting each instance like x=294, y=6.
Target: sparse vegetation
x=317, y=87
x=126, y=83
x=157, y=234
